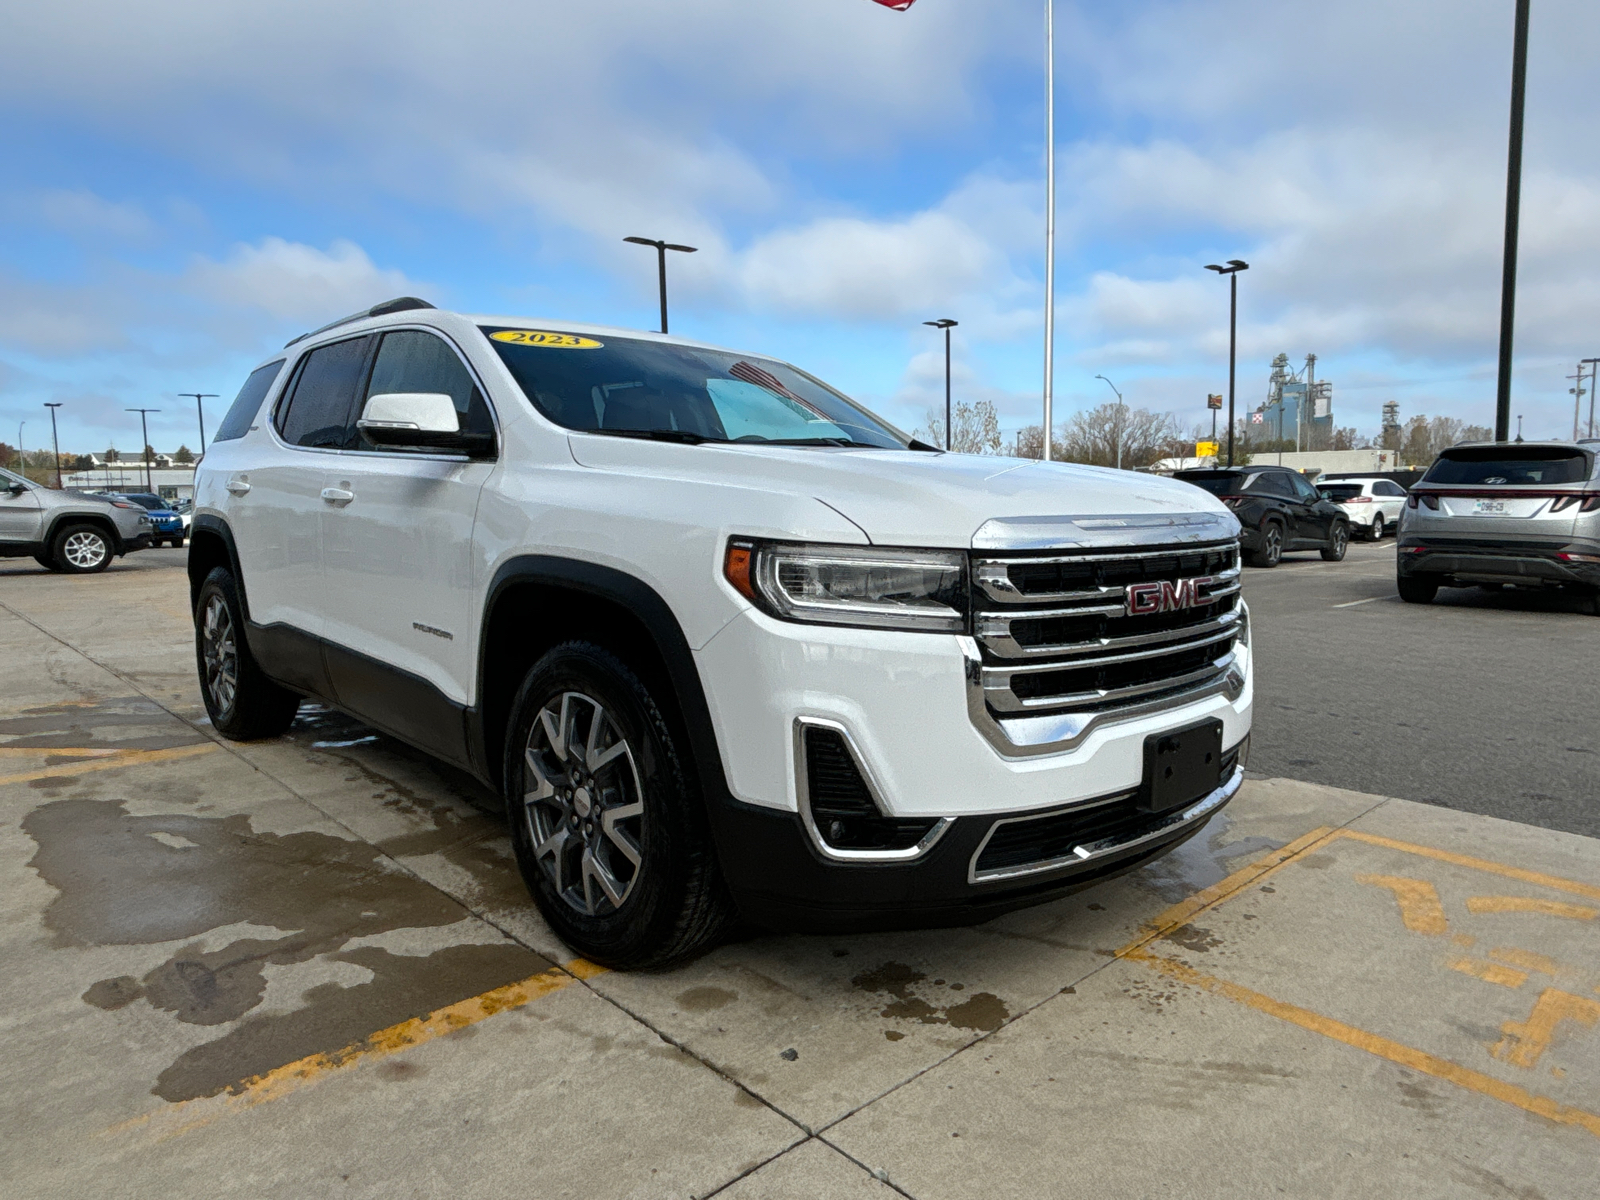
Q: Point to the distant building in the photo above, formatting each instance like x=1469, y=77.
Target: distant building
x=168, y=480
x=1299, y=409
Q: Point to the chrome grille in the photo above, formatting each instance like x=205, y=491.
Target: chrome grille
x=1089, y=633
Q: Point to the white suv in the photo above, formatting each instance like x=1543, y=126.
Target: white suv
x=1373, y=505
x=723, y=640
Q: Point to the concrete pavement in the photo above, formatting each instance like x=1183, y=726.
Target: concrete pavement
x=308, y=968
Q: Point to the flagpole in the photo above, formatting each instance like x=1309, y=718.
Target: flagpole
x=1049, y=221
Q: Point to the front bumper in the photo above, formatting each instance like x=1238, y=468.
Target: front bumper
x=1531, y=564
x=781, y=881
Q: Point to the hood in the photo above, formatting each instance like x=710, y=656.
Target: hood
x=914, y=498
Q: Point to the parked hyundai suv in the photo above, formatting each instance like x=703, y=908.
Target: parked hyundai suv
x=67, y=530
x=1278, y=510
x=723, y=640
x=1502, y=514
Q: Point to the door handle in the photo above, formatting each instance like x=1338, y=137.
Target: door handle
x=335, y=495
x=238, y=486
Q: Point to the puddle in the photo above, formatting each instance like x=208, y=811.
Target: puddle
x=121, y=723
x=142, y=880
x=982, y=1012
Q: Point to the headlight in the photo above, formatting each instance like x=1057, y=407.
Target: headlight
x=923, y=590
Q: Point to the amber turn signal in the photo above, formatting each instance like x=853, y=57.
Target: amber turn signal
x=736, y=567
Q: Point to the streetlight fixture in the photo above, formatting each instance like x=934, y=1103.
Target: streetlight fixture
x=22, y=461
x=1049, y=221
x=661, y=258
x=199, y=408
x=55, y=443
x=1121, y=408
x=946, y=324
x=1232, y=272
x=1508, y=267
x=144, y=429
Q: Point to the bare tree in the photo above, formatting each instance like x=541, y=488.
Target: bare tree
x=974, y=428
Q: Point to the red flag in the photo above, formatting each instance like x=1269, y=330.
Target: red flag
x=897, y=5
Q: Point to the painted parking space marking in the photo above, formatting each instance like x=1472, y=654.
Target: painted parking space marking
x=1353, y=603
x=1566, y=1014
x=106, y=762
x=183, y=1116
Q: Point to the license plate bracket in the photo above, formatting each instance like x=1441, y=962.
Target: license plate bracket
x=1181, y=767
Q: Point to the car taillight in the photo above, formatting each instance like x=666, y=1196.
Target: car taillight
x=1578, y=558
x=1359, y=500
x=1431, y=501
x=1233, y=501
x=1592, y=504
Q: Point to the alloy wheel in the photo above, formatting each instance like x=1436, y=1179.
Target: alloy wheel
x=1274, y=543
x=84, y=550
x=1377, y=528
x=584, y=804
x=220, y=648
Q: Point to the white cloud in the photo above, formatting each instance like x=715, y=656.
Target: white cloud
x=293, y=282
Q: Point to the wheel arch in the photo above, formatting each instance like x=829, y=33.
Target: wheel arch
x=538, y=601
x=211, y=545
x=99, y=520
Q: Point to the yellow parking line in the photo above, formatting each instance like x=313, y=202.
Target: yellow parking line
x=76, y=751
x=1396, y=1052
x=1531, y=904
x=1478, y=864
x=1490, y=972
x=1418, y=900
x=185, y=1115
x=129, y=758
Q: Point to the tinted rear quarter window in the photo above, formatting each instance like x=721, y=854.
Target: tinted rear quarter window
x=1271, y=483
x=1340, y=492
x=1502, y=465
x=248, y=402
x=318, y=412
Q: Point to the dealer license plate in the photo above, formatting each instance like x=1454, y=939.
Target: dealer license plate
x=1491, y=508
x=1181, y=767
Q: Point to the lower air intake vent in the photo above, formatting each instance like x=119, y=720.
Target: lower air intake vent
x=842, y=807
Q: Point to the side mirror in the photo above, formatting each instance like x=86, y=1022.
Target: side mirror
x=14, y=489
x=424, y=420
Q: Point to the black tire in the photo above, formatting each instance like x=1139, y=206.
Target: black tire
x=668, y=905
x=1416, y=591
x=244, y=705
x=177, y=543
x=1271, y=552
x=1338, y=543
x=1376, y=532
x=82, y=549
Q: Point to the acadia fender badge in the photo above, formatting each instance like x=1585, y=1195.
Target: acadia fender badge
x=438, y=633
x=1147, y=599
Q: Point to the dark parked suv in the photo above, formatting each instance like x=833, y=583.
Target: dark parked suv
x=1278, y=510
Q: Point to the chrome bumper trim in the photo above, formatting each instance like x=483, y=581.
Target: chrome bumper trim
x=1093, y=851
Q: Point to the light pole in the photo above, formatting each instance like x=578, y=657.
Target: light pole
x=1594, y=368
x=1232, y=272
x=1508, y=267
x=200, y=408
x=1120, y=410
x=55, y=443
x=22, y=461
x=661, y=257
x=946, y=324
x=144, y=429
x=1049, y=220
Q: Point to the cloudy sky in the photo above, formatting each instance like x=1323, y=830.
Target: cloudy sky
x=188, y=183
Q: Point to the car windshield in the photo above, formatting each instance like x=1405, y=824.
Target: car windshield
x=1340, y=492
x=636, y=388
x=1510, y=465
x=1218, y=483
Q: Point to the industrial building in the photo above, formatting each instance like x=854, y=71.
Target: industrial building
x=1299, y=407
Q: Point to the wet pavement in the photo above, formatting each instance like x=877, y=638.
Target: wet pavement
x=308, y=967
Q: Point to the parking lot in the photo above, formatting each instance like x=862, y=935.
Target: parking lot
x=308, y=967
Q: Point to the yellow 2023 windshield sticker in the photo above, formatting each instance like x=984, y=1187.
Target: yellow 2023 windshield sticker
x=540, y=337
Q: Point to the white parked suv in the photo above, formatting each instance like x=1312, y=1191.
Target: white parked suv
x=724, y=641
x=1373, y=505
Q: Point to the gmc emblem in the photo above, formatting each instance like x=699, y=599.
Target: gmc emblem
x=1146, y=599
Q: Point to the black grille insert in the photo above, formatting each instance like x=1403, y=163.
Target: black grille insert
x=842, y=807
x=1020, y=843
x=1042, y=578
x=1112, y=676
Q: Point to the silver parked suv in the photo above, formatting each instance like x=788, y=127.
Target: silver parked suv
x=1497, y=514
x=66, y=530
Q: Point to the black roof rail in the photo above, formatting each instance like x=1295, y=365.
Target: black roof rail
x=399, y=304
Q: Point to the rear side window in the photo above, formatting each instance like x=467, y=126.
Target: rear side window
x=1340, y=492
x=1271, y=483
x=1219, y=483
x=1537, y=465
x=1384, y=488
x=412, y=361
x=318, y=410
x=248, y=402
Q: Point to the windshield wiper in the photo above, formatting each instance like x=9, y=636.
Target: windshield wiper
x=680, y=436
